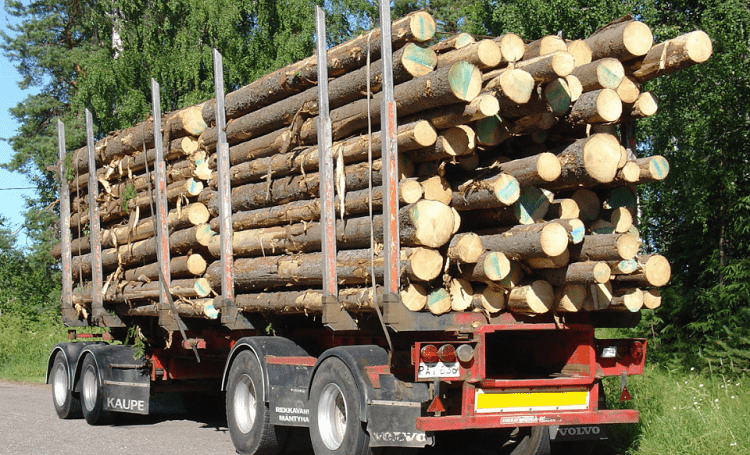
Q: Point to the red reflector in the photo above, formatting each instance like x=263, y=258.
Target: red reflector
x=429, y=354
x=447, y=353
x=636, y=349
x=436, y=406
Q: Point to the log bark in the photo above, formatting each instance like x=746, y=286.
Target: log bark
x=482, y=106
x=629, y=299
x=534, y=170
x=554, y=262
x=465, y=248
x=485, y=54
x=574, y=227
x=651, y=298
x=488, y=298
x=439, y=301
x=500, y=190
x=535, y=297
x=590, y=272
x=563, y=208
x=192, y=265
x=588, y=161
x=510, y=85
x=135, y=291
x=623, y=40
x=599, y=106
x=673, y=55
x=603, y=73
x=544, y=46
x=529, y=241
x=613, y=247
x=418, y=26
x=645, y=106
x=547, y=68
x=454, y=42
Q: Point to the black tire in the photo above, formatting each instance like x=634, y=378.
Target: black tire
x=534, y=442
x=335, y=427
x=92, y=395
x=67, y=404
x=248, y=415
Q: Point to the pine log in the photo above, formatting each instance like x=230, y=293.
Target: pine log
x=492, y=130
x=651, y=298
x=589, y=204
x=491, y=266
x=531, y=207
x=563, y=208
x=485, y=55
x=511, y=46
x=645, y=106
x=629, y=90
x=534, y=170
x=529, y=241
x=570, y=297
x=575, y=88
x=554, y=97
x=599, y=74
x=535, y=298
x=590, y=272
x=410, y=136
x=549, y=67
x=621, y=219
x=488, y=298
x=628, y=174
x=554, y=262
x=414, y=296
x=461, y=293
x=438, y=189
x=588, y=161
x=408, y=62
x=457, y=41
x=599, y=297
x=465, y=248
x=450, y=143
x=672, y=55
x=580, y=51
x=438, y=301
x=543, y=46
x=599, y=106
x=175, y=172
x=613, y=247
x=195, y=308
x=623, y=40
x=191, y=265
x=409, y=192
x=482, y=106
x=629, y=299
x=574, y=227
x=137, y=291
x=601, y=227
x=499, y=190
x=652, y=169
x=278, y=85
x=652, y=270
x=511, y=86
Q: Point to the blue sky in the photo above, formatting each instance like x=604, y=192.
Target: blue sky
x=12, y=204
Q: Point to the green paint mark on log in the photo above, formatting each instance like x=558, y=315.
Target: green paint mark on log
x=610, y=74
x=200, y=289
x=576, y=235
x=558, y=98
x=531, y=206
x=492, y=267
x=465, y=80
x=420, y=56
x=491, y=130
x=621, y=197
x=660, y=166
x=425, y=27
x=509, y=193
x=627, y=266
x=210, y=311
x=436, y=296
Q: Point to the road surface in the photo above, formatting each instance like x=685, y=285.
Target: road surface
x=29, y=425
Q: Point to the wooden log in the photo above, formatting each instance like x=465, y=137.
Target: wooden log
x=500, y=190
x=574, y=227
x=410, y=136
x=195, y=308
x=570, y=297
x=621, y=219
x=485, y=54
x=554, y=262
x=553, y=97
x=409, y=192
x=598, y=106
x=438, y=189
x=529, y=241
x=652, y=169
x=418, y=26
x=645, y=106
x=450, y=143
x=461, y=294
x=580, y=51
x=629, y=299
x=601, y=227
x=465, y=248
x=543, y=46
x=629, y=90
x=613, y=247
x=457, y=41
x=414, y=296
x=574, y=87
x=408, y=62
x=439, y=301
x=534, y=170
x=562, y=208
x=672, y=55
x=511, y=46
x=599, y=74
x=589, y=204
x=651, y=298
x=627, y=174
x=137, y=291
x=511, y=86
x=535, y=297
x=191, y=265
x=483, y=106
x=588, y=161
x=491, y=266
x=624, y=266
x=531, y=207
x=652, y=270
x=622, y=196
x=590, y=272
x=599, y=297
x=492, y=130
x=623, y=40
x=488, y=298
x=549, y=67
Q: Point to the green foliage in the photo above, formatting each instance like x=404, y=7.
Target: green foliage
x=127, y=195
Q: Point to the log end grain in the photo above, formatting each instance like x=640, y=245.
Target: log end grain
x=630, y=299
x=601, y=154
x=608, y=105
x=511, y=46
x=196, y=265
x=553, y=239
x=410, y=191
x=621, y=219
x=425, y=264
x=651, y=299
x=197, y=213
x=698, y=46
x=630, y=172
x=439, y=301
x=653, y=168
x=414, y=296
x=465, y=248
x=432, y=223
x=570, y=297
x=491, y=130
x=563, y=63
x=485, y=106
x=575, y=87
x=493, y=298
x=548, y=167
x=657, y=270
x=424, y=134
x=461, y=293
x=463, y=40
x=465, y=80
x=532, y=205
x=496, y=266
x=628, y=246
x=580, y=51
x=558, y=96
x=422, y=26
x=517, y=85
x=202, y=287
x=417, y=60
x=601, y=272
x=629, y=90
x=588, y=203
x=599, y=296
x=489, y=54
x=536, y=298
x=637, y=38
x=506, y=189
x=438, y=189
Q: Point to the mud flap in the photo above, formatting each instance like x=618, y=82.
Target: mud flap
x=564, y=433
x=393, y=424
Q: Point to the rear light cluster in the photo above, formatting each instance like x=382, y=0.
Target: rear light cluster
x=446, y=353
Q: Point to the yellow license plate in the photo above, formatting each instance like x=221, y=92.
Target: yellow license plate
x=501, y=401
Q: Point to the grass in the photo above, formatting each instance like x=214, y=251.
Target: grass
x=682, y=412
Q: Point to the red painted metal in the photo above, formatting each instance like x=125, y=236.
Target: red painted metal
x=373, y=374
x=436, y=406
x=290, y=360
x=625, y=362
x=512, y=420
x=390, y=160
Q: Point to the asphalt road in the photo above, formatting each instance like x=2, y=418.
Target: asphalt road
x=29, y=425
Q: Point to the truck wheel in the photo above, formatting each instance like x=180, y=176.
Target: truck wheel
x=92, y=395
x=67, y=405
x=536, y=442
x=248, y=415
x=335, y=427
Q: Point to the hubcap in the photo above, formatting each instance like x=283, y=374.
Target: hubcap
x=60, y=385
x=90, y=388
x=332, y=414
x=244, y=404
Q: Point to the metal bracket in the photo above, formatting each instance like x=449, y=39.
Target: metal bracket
x=335, y=317
x=231, y=316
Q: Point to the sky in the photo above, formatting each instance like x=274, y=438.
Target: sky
x=12, y=200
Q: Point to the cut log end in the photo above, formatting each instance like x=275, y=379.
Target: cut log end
x=517, y=85
x=465, y=248
x=425, y=264
x=553, y=239
x=506, y=189
x=414, y=297
x=570, y=298
x=601, y=154
x=580, y=51
x=657, y=270
x=417, y=60
x=439, y=301
x=465, y=80
x=422, y=26
x=548, y=167
x=652, y=299
x=628, y=246
x=512, y=47
x=461, y=293
x=699, y=47
x=433, y=223
x=424, y=134
x=496, y=266
x=536, y=297
x=637, y=38
x=609, y=105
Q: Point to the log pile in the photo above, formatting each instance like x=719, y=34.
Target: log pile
x=515, y=191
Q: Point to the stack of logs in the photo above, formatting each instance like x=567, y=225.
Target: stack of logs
x=515, y=191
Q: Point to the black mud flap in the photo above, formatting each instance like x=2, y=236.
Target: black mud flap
x=564, y=433
x=393, y=424
x=126, y=384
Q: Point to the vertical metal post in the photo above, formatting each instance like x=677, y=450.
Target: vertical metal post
x=166, y=320
x=98, y=314
x=230, y=315
x=389, y=127
x=69, y=315
x=333, y=315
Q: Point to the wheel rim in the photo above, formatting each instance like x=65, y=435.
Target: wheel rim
x=90, y=388
x=60, y=385
x=332, y=414
x=244, y=402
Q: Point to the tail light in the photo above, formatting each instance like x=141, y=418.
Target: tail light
x=447, y=353
x=429, y=354
x=636, y=350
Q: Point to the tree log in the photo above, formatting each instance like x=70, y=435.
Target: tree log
x=603, y=247
x=180, y=267
x=630, y=299
x=549, y=67
x=535, y=298
x=414, y=296
x=599, y=74
x=652, y=169
x=482, y=106
x=652, y=270
x=488, y=298
x=629, y=90
x=529, y=241
x=461, y=294
x=623, y=40
x=438, y=189
x=439, y=301
x=511, y=46
x=591, y=272
x=500, y=190
x=543, y=46
x=563, y=208
x=588, y=203
x=136, y=291
x=651, y=298
x=599, y=106
x=570, y=297
x=450, y=143
x=485, y=55
x=588, y=161
x=535, y=170
x=454, y=42
x=465, y=248
x=580, y=51
x=554, y=262
x=574, y=227
x=599, y=297
x=673, y=55
x=645, y=106
x=510, y=85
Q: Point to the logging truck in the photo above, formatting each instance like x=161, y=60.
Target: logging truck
x=432, y=286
